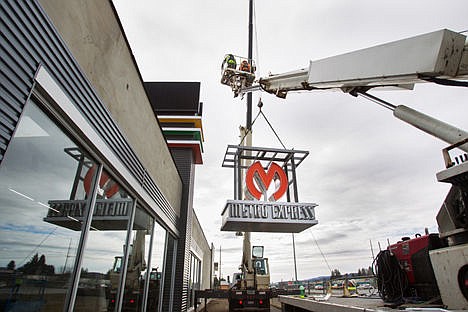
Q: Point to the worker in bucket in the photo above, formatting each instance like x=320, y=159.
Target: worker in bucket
x=244, y=66
x=230, y=60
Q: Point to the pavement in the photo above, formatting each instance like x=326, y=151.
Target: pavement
x=371, y=303
x=221, y=305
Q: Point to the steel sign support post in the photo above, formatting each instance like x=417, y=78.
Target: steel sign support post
x=294, y=253
x=288, y=192
x=293, y=169
x=237, y=177
x=296, y=199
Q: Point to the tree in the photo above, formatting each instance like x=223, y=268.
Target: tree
x=84, y=272
x=30, y=266
x=37, y=265
x=11, y=265
x=335, y=273
x=365, y=272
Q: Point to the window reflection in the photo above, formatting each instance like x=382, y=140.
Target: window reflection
x=104, y=250
x=137, y=261
x=194, y=281
x=157, y=261
x=42, y=199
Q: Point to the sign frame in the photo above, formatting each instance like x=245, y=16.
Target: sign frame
x=238, y=157
x=241, y=159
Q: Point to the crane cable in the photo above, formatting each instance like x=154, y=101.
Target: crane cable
x=260, y=112
x=39, y=245
x=323, y=255
x=260, y=103
x=257, y=63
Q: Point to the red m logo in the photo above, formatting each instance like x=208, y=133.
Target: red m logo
x=264, y=179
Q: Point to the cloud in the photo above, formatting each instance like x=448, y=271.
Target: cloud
x=24, y=228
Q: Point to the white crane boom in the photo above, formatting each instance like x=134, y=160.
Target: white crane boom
x=441, y=54
x=440, y=57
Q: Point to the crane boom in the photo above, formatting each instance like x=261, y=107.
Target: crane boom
x=439, y=57
x=441, y=54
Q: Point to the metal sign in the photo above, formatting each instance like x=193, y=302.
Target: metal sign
x=260, y=216
x=108, y=214
x=267, y=171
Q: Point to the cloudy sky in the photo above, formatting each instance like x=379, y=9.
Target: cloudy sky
x=372, y=175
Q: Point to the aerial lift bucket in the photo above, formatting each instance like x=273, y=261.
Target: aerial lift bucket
x=237, y=72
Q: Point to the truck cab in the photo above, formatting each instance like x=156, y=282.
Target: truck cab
x=262, y=272
x=251, y=291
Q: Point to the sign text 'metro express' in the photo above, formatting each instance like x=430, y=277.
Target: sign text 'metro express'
x=269, y=210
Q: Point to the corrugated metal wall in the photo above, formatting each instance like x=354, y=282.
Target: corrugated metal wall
x=17, y=67
x=167, y=290
x=28, y=39
x=184, y=160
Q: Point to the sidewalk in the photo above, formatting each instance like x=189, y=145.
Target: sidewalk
x=214, y=305
x=221, y=305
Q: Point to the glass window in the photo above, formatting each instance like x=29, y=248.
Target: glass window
x=42, y=200
x=137, y=261
x=157, y=262
x=194, y=282
x=260, y=266
x=102, y=257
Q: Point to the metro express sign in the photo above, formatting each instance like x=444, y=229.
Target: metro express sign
x=272, y=182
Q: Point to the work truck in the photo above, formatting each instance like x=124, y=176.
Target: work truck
x=251, y=290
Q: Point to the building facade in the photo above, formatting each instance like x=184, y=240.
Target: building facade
x=95, y=207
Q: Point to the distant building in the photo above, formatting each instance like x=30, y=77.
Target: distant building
x=96, y=194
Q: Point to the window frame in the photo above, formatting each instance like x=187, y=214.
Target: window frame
x=58, y=104
x=54, y=102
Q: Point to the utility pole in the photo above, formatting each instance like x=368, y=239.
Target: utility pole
x=247, y=133
x=250, y=56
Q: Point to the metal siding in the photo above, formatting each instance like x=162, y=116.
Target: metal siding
x=184, y=160
x=16, y=76
x=168, y=265
x=28, y=39
x=150, y=186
